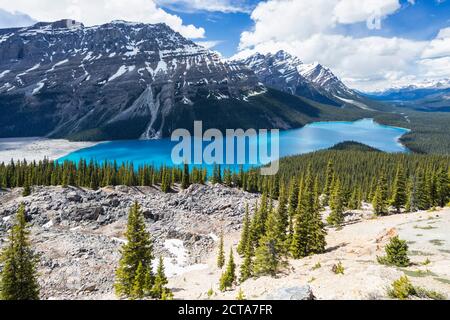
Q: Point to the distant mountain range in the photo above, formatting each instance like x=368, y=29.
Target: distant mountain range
x=431, y=96
x=127, y=80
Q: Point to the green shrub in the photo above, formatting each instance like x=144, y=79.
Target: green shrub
x=402, y=289
x=338, y=268
x=241, y=295
x=396, y=253
x=429, y=294
x=317, y=266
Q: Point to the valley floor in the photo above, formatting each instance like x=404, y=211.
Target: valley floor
x=38, y=148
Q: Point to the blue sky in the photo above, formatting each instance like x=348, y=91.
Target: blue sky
x=370, y=44
x=419, y=21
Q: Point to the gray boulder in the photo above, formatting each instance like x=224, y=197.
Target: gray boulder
x=292, y=293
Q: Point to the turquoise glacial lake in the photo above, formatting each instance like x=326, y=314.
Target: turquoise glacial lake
x=313, y=137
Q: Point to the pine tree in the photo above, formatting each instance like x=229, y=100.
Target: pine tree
x=247, y=266
x=336, y=218
x=442, y=188
x=329, y=177
x=245, y=232
x=317, y=227
x=18, y=278
x=304, y=240
x=396, y=253
x=139, y=284
x=221, y=253
x=398, y=199
x=26, y=190
x=379, y=201
x=267, y=254
x=282, y=221
x=411, y=205
x=229, y=276
x=185, y=183
x=227, y=177
x=161, y=281
x=258, y=225
x=217, y=174
x=94, y=181
x=355, y=200
x=138, y=250
x=423, y=191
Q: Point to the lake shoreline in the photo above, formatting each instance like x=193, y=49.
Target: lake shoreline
x=38, y=148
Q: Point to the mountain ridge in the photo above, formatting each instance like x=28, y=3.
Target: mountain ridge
x=125, y=80
x=289, y=73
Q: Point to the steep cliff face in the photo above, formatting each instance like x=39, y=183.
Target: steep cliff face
x=288, y=73
x=115, y=81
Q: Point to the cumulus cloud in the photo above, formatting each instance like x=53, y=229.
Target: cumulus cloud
x=226, y=6
x=101, y=11
x=14, y=19
x=209, y=44
x=308, y=30
x=440, y=46
x=296, y=20
x=352, y=11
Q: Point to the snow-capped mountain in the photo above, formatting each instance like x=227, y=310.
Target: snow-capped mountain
x=63, y=79
x=428, y=95
x=314, y=81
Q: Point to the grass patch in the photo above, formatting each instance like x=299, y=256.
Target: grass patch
x=338, y=268
x=437, y=242
x=424, y=227
x=311, y=280
x=418, y=273
x=443, y=280
x=429, y=294
x=418, y=253
x=210, y=293
x=444, y=251
x=317, y=266
x=426, y=262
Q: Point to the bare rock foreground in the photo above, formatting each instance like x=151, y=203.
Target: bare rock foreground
x=78, y=234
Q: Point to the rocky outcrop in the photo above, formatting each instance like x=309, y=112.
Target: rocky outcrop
x=292, y=293
x=78, y=232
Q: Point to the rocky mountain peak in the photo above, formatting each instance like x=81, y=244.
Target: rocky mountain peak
x=77, y=78
x=289, y=73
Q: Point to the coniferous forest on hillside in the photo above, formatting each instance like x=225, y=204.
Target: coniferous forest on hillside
x=359, y=171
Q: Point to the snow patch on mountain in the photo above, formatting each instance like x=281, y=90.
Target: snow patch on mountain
x=38, y=88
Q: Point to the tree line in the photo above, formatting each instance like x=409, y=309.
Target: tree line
x=345, y=178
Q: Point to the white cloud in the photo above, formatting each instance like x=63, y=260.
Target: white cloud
x=296, y=20
x=308, y=30
x=226, y=6
x=351, y=11
x=209, y=44
x=440, y=46
x=101, y=11
x=14, y=19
